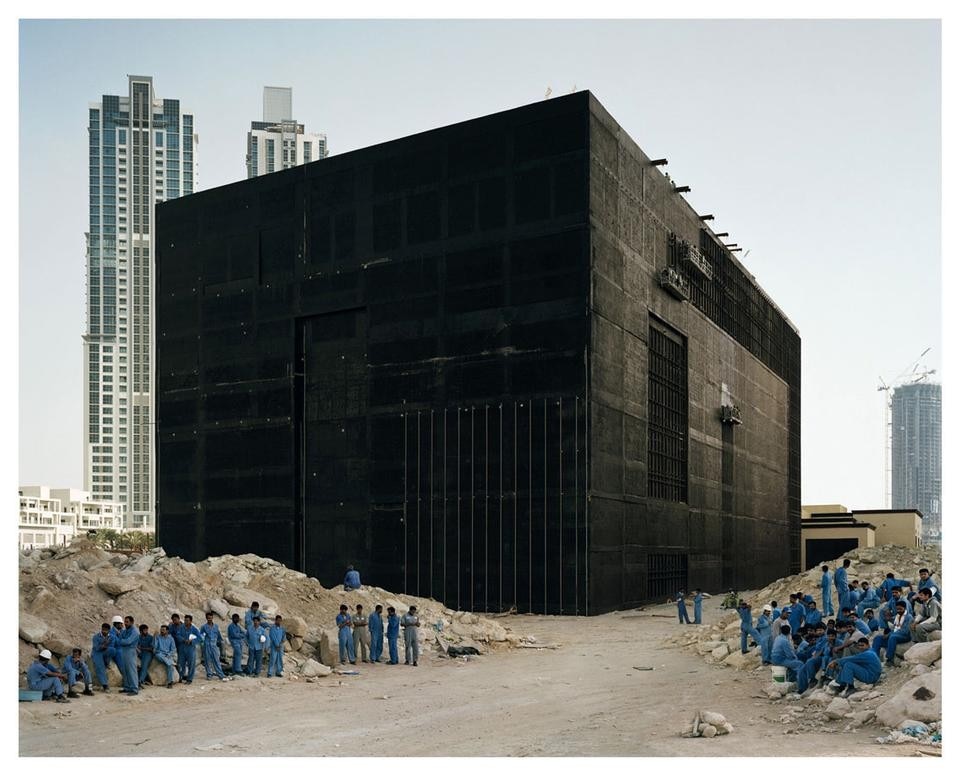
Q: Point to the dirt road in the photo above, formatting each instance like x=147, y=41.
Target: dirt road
x=584, y=698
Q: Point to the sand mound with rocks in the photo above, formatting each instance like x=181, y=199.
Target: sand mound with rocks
x=66, y=594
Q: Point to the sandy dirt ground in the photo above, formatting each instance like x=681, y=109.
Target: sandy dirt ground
x=582, y=699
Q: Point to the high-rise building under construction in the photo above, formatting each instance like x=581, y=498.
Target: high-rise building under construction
x=501, y=363
x=916, y=431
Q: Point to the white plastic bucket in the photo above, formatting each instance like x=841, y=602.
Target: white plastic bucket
x=779, y=674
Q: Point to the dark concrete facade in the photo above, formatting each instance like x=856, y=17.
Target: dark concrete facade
x=448, y=360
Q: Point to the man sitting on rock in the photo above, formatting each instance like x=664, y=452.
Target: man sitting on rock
x=42, y=677
x=165, y=651
x=351, y=580
x=895, y=633
x=862, y=665
x=928, y=617
x=75, y=668
x=926, y=581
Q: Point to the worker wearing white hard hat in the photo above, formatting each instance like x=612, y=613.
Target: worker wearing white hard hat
x=43, y=677
x=764, y=626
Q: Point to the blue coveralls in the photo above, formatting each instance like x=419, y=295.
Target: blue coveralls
x=862, y=627
x=854, y=597
x=868, y=600
x=841, y=580
x=212, y=643
x=351, y=580
x=698, y=609
x=74, y=669
x=255, y=660
x=345, y=638
x=248, y=617
x=393, y=637
x=681, y=609
x=746, y=629
x=892, y=639
x=784, y=655
x=164, y=649
x=797, y=612
x=930, y=583
x=236, y=635
x=826, y=585
x=101, y=653
x=276, y=637
x=145, y=645
x=178, y=633
x=764, y=627
x=376, y=636
x=189, y=652
x=865, y=667
x=40, y=680
x=127, y=641
x=813, y=617
x=813, y=659
x=115, y=643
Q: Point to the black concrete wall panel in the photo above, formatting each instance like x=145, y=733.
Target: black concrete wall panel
x=429, y=358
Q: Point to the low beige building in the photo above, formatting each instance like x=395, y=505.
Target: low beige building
x=830, y=530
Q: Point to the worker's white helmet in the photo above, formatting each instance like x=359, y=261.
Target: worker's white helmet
x=116, y=619
x=46, y=654
x=768, y=607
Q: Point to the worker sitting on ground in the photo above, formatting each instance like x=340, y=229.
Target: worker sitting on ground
x=351, y=580
x=784, y=655
x=43, y=677
x=928, y=617
x=75, y=668
x=731, y=600
x=862, y=665
x=896, y=632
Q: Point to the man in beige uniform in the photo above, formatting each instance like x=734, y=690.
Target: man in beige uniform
x=361, y=634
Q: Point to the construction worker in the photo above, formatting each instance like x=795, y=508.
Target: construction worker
x=826, y=586
x=101, y=654
x=117, y=622
x=361, y=634
x=784, y=655
x=376, y=634
x=698, y=605
x=681, y=607
x=42, y=677
x=127, y=643
x=927, y=581
x=858, y=624
x=277, y=639
x=862, y=665
x=345, y=636
x=896, y=632
x=928, y=616
x=252, y=614
x=393, y=634
x=178, y=633
x=351, y=580
x=869, y=599
x=256, y=641
x=190, y=641
x=145, y=650
x=212, y=644
x=237, y=637
x=813, y=614
x=74, y=667
x=411, y=624
x=746, y=629
x=764, y=628
x=869, y=617
x=164, y=649
x=841, y=582
x=797, y=612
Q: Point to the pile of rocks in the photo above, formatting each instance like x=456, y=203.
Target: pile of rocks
x=66, y=594
x=906, y=696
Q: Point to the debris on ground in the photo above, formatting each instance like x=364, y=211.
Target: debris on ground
x=707, y=723
x=66, y=593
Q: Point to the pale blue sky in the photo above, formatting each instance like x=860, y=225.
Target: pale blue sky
x=815, y=143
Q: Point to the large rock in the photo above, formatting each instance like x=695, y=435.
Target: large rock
x=935, y=635
x=295, y=626
x=329, y=648
x=775, y=690
x=924, y=653
x=920, y=698
x=719, y=653
x=119, y=585
x=32, y=628
x=60, y=645
x=243, y=597
x=707, y=646
x=739, y=661
x=157, y=671
x=311, y=669
x=140, y=565
x=838, y=708
x=217, y=606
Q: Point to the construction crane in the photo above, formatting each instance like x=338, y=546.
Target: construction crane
x=908, y=376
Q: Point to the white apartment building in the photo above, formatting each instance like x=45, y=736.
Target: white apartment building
x=142, y=150
x=52, y=517
x=278, y=142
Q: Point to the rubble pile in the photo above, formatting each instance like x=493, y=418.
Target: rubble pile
x=907, y=700
x=66, y=594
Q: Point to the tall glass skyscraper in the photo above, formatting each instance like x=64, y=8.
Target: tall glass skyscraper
x=917, y=454
x=142, y=151
x=278, y=142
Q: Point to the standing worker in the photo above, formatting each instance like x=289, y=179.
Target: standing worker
x=277, y=639
x=764, y=626
x=393, y=634
x=253, y=613
x=376, y=634
x=115, y=642
x=345, y=636
x=236, y=635
x=681, y=607
x=75, y=667
x=746, y=629
x=178, y=633
x=826, y=585
x=101, y=655
x=256, y=640
x=145, y=650
x=42, y=677
x=841, y=582
x=411, y=623
x=212, y=643
x=351, y=580
x=192, y=635
x=127, y=642
x=361, y=634
x=698, y=606
x=164, y=649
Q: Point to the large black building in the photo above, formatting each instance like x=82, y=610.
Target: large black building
x=501, y=363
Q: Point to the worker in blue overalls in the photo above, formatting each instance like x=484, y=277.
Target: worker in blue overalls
x=698, y=596
x=681, y=607
x=102, y=653
x=237, y=636
x=826, y=585
x=345, y=636
x=393, y=635
x=376, y=634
